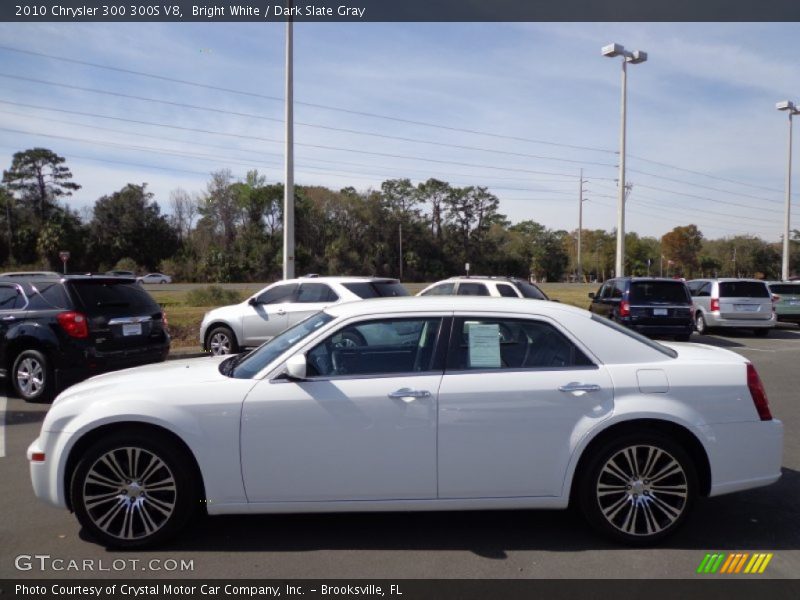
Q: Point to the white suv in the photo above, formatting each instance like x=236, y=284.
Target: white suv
x=509, y=287
x=229, y=329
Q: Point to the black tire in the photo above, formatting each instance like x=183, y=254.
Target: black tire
x=700, y=324
x=221, y=341
x=32, y=376
x=761, y=332
x=684, y=337
x=629, y=510
x=119, y=515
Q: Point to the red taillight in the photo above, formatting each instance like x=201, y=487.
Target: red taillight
x=74, y=323
x=37, y=457
x=758, y=394
x=624, y=308
x=714, y=304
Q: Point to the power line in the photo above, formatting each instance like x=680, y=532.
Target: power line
x=311, y=104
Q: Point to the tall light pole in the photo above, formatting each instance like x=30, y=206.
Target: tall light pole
x=581, y=200
x=288, y=189
x=635, y=57
x=790, y=108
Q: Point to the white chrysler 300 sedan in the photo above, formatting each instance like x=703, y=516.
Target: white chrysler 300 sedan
x=449, y=403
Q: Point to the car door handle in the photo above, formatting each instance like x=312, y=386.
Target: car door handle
x=579, y=387
x=408, y=394
x=280, y=311
x=9, y=318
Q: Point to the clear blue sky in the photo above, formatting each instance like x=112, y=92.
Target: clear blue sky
x=704, y=102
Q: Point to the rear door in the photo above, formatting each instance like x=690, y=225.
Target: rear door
x=745, y=300
x=12, y=311
x=121, y=315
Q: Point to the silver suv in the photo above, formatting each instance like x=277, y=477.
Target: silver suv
x=742, y=303
x=229, y=329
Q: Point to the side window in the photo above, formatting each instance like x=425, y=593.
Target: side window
x=472, y=289
x=506, y=291
x=705, y=290
x=511, y=344
x=605, y=291
x=377, y=347
x=49, y=295
x=11, y=297
x=278, y=294
x=445, y=289
x=316, y=292
x=619, y=289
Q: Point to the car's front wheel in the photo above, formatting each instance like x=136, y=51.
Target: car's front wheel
x=638, y=488
x=32, y=376
x=700, y=324
x=132, y=490
x=222, y=341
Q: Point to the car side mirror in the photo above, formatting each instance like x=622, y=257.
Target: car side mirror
x=296, y=367
x=591, y=295
x=253, y=301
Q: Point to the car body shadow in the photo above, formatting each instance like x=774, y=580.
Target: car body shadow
x=766, y=518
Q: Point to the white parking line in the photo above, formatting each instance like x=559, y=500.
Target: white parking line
x=3, y=402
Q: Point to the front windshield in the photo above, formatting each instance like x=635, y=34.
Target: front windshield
x=259, y=358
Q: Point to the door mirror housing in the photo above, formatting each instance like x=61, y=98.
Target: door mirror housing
x=296, y=367
x=591, y=295
x=253, y=301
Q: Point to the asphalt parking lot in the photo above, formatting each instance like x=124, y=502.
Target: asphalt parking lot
x=519, y=544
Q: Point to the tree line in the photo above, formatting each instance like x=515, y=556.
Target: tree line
x=232, y=231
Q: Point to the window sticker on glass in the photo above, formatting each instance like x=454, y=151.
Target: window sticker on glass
x=484, y=345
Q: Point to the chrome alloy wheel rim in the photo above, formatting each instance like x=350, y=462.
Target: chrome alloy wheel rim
x=220, y=344
x=129, y=493
x=30, y=376
x=642, y=490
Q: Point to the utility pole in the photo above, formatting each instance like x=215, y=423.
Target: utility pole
x=793, y=110
x=288, y=189
x=400, y=229
x=581, y=200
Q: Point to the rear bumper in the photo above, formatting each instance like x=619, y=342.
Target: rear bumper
x=713, y=320
x=684, y=329
x=744, y=455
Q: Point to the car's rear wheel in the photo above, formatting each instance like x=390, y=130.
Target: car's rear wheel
x=130, y=491
x=638, y=489
x=700, y=324
x=761, y=332
x=222, y=341
x=32, y=376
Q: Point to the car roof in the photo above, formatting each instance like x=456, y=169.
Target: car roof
x=339, y=279
x=727, y=279
x=377, y=306
x=481, y=278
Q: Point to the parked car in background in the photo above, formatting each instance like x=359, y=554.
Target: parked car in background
x=507, y=404
x=154, y=278
x=509, y=287
x=649, y=305
x=229, y=329
x=737, y=303
x=59, y=329
x=787, y=305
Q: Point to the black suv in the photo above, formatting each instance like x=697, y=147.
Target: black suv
x=56, y=330
x=649, y=305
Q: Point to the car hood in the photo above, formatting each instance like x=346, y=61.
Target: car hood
x=230, y=313
x=161, y=375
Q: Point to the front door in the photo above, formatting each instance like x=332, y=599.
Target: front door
x=362, y=426
x=266, y=314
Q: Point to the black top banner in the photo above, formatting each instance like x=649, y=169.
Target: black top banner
x=400, y=10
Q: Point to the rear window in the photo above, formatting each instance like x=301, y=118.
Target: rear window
x=792, y=289
x=531, y=291
x=118, y=298
x=743, y=289
x=635, y=335
x=377, y=289
x=646, y=292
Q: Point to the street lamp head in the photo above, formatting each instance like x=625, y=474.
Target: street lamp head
x=785, y=105
x=637, y=57
x=612, y=50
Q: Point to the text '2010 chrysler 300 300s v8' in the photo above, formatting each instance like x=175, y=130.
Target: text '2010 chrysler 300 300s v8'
x=446, y=403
